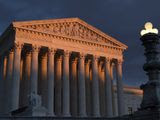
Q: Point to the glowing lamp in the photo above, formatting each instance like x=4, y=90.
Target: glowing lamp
x=148, y=29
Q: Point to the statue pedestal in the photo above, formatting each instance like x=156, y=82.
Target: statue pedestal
x=35, y=107
x=35, y=111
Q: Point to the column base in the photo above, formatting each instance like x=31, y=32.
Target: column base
x=66, y=115
x=96, y=115
x=51, y=114
x=82, y=115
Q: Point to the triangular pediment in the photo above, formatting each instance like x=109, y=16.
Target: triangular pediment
x=70, y=27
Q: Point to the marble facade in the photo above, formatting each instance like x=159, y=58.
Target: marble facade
x=66, y=61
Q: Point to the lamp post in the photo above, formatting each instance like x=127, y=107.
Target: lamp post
x=151, y=90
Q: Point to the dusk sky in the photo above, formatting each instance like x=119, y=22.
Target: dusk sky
x=121, y=19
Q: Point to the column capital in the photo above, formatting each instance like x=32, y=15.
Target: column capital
x=28, y=53
x=51, y=50
x=35, y=48
x=95, y=57
x=66, y=53
x=82, y=55
x=10, y=51
x=108, y=60
x=88, y=61
x=101, y=63
x=18, y=45
x=74, y=60
x=119, y=62
x=59, y=58
x=44, y=56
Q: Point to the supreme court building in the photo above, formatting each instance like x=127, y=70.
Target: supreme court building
x=67, y=62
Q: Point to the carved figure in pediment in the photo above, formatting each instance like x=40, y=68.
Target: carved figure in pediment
x=67, y=30
x=62, y=29
x=94, y=37
x=81, y=33
x=90, y=35
x=76, y=30
x=38, y=28
x=71, y=30
x=86, y=34
x=56, y=29
x=47, y=29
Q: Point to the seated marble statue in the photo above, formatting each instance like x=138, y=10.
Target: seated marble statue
x=34, y=100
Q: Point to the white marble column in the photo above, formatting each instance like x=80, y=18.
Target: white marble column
x=9, y=78
x=81, y=86
x=50, y=67
x=108, y=89
x=16, y=77
x=27, y=73
x=112, y=89
x=95, y=88
x=58, y=86
x=91, y=81
x=43, y=80
x=1, y=83
x=5, y=67
x=101, y=88
x=21, y=67
x=4, y=83
x=34, y=69
x=103, y=92
x=120, y=88
x=1, y=66
x=88, y=87
x=73, y=88
x=10, y=65
x=65, y=85
x=22, y=85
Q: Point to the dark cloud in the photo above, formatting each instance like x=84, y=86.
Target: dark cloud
x=122, y=19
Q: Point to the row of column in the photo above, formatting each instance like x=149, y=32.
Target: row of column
x=83, y=71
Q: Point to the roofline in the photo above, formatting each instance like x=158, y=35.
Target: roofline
x=30, y=22
x=103, y=34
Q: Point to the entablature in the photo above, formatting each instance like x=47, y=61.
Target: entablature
x=64, y=42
